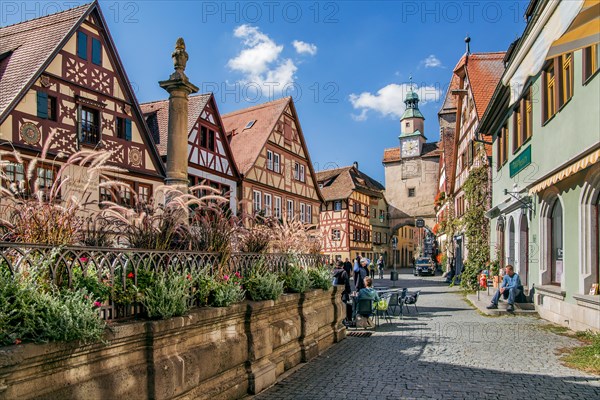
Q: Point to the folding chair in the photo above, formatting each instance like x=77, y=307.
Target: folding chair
x=412, y=299
x=383, y=307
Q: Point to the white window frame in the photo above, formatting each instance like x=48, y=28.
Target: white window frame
x=308, y=218
x=302, y=173
x=276, y=162
x=277, y=208
x=268, y=205
x=302, y=212
x=257, y=203
x=296, y=170
x=290, y=210
x=270, y=160
x=336, y=235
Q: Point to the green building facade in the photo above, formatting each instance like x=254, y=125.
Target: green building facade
x=545, y=121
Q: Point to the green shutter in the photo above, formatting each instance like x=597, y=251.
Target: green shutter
x=96, y=52
x=82, y=45
x=128, y=129
x=42, y=105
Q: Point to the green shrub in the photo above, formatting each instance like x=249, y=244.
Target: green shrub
x=263, y=285
x=29, y=313
x=320, y=278
x=168, y=295
x=296, y=280
x=204, y=284
x=226, y=293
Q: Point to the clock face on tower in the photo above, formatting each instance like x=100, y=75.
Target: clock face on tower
x=410, y=148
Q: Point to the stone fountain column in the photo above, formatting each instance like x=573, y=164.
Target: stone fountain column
x=179, y=88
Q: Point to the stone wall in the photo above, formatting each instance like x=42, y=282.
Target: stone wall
x=216, y=353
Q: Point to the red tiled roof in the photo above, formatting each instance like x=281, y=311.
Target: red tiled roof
x=484, y=71
x=339, y=183
x=449, y=104
x=391, y=155
x=30, y=45
x=161, y=108
x=428, y=150
x=246, y=144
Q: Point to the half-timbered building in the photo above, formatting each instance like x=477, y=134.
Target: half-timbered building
x=210, y=160
x=472, y=85
x=350, y=198
x=272, y=157
x=62, y=73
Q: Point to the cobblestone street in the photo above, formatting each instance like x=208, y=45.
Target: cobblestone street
x=448, y=351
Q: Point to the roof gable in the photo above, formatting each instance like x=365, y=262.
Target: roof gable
x=38, y=41
x=32, y=45
x=200, y=106
x=247, y=143
x=339, y=183
x=484, y=71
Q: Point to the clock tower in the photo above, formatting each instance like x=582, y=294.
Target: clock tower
x=411, y=127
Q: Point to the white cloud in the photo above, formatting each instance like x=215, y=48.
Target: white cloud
x=389, y=100
x=432, y=62
x=260, y=60
x=304, y=48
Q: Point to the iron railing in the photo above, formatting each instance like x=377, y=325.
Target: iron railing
x=119, y=269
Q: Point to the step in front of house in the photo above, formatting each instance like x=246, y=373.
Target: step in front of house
x=484, y=300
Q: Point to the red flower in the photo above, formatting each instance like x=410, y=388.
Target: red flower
x=237, y=275
x=17, y=341
x=83, y=259
x=130, y=275
x=189, y=277
x=226, y=278
x=97, y=304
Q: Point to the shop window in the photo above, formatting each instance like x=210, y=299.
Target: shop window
x=556, y=243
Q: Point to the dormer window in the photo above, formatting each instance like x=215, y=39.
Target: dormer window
x=250, y=124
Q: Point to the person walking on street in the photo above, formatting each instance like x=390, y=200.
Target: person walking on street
x=380, y=266
x=348, y=266
x=360, y=272
x=509, y=289
x=372, y=270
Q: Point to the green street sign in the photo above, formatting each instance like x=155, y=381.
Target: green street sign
x=520, y=162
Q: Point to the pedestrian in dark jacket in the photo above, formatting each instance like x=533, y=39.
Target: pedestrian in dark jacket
x=360, y=273
x=348, y=266
x=342, y=278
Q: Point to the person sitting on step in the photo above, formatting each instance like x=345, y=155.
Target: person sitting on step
x=509, y=289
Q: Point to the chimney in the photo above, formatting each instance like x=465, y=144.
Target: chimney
x=179, y=88
x=355, y=165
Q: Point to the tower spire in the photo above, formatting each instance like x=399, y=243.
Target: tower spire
x=468, y=42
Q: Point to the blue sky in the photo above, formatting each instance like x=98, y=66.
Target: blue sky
x=346, y=63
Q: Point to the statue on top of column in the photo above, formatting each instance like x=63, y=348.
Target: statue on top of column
x=180, y=58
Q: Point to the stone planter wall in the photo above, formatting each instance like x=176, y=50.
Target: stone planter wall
x=216, y=353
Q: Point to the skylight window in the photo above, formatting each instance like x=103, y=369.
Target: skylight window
x=250, y=124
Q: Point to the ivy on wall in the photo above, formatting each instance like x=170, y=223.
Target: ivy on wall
x=450, y=225
x=476, y=225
